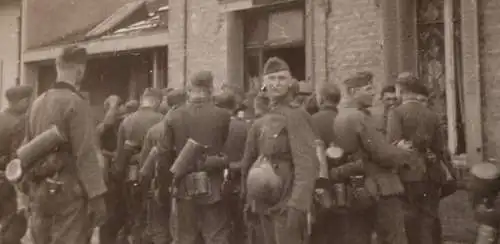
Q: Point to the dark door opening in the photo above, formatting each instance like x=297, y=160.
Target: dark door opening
x=295, y=57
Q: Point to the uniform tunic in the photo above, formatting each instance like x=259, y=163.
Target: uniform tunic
x=326, y=226
x=356, y=132
x=286, y=137
x=414, y=122
x=158, y=215
x=63, y=217
x=12, y=127
x=207, y=217
x=134, y=128
x=108, y=232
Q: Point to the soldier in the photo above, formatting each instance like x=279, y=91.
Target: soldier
x=72, y=183
x=234, y=149
x=329, y=98
x=131, y=106
x=13, y=122
x=159, y=214
x=131, y=136
x=389, y=100
x=12, y=125
x=417, y=126
x=368, y=167
x=198, y=215
x=261, y=105
x=280, y=151
x=108, y=136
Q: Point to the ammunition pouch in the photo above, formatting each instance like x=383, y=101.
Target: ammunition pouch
x=352, y=195
x=197, y=185
x=359, y=196
x=51, y=164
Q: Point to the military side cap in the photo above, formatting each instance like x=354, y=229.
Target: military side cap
x=176, y=97
x=131, y=106
x=18, y=92
x=73, y=54
x=411, y=83
x=225, y=100
x=203, y=79
x=359, y=79
x=485, y=171
x=153, y=92
x=275, y=64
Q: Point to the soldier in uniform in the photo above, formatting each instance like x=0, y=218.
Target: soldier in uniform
x=234, y=149
x=198, y=216
x=107, y=132
x=261, y=105
x=12, y=125
x=132, y=132
x=131, y=106
x=280, y=149
x=416, y=125
x=368, y=155
x=388, y=100
x=69, y=183
x=158, y=229
x=329, y=95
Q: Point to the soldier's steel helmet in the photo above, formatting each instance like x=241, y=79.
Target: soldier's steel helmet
x=485, y=177
x=263, y=184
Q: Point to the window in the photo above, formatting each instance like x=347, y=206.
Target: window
x=432, y=42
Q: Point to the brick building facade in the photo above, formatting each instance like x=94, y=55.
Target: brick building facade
x=452, y=44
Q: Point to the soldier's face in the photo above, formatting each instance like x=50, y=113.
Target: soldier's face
x=389, y=99
x=278, y=83
x=365, y=94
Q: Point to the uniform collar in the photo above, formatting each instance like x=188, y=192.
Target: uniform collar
x=330, y=107
x=62, y=85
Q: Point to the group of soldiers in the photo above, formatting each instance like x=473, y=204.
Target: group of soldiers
x=272, y=168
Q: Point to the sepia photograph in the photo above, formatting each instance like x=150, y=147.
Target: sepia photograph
x=249, y=122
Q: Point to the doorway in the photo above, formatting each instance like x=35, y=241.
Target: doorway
x=295, y=58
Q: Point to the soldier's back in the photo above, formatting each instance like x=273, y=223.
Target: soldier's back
x=53, y=108
x=136, y=125
x=203, y=122
x=418, y=124
x=323, y=124
x=346, y=128
x=235, y=145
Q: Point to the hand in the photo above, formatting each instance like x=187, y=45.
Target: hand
x=295, y=218
x=97, y=210
x=112, y=101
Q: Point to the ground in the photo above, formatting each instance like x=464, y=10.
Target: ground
x=456, y=215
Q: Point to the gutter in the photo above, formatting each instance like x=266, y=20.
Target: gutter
x=19, y=45
x=185, y=36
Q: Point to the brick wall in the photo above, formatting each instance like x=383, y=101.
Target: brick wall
x=354, y=39
x=206, y=41
x=490, y=63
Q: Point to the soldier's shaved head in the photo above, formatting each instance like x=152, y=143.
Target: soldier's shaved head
x=71, y=64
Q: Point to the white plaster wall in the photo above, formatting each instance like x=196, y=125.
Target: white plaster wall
x=9, y=47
